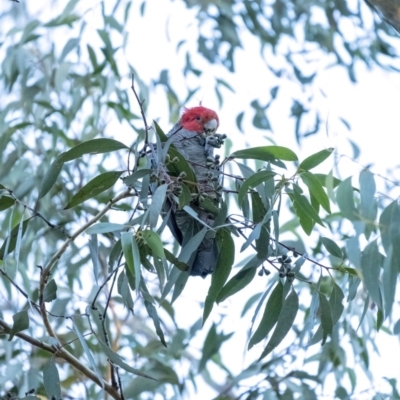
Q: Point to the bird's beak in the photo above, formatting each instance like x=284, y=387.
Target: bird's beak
x=211, y=126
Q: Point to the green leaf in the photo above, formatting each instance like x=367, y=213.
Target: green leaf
x=105, y=227
x=13, y=239
x=156, y=205
x=303, y=203
x=326, y=317
x=315, y=159
x=270, y=316
x=266, y=153
x=21, y=322
x=316, y=189
x=252, y=181
x=389, y=280
x=117, y=360
x=237, y=282
x=191, y=246
x=371, y=261
x=335, y=301
x=131, y=179
x=345, y=200
x=332, y=247
x=226, y=257
x=6, y=202
x=94, y=146
x=322, y=178
x=50, y=291
x=185, y=198
x=154, y=242
x=368, y=207
x=132, y=256
x=51, y=380
x=51, y=176
x=152, y=312
x=88, y=353
x=285, y=321
x=96, y=186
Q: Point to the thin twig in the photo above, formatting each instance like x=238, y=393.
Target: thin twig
x=141, y=102
x=61, y=353
x=46, y=270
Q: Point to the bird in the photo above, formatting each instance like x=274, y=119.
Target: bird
x=194, y=137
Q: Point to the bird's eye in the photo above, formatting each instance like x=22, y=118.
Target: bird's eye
x=198, y=118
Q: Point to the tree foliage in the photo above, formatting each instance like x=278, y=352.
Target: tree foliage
x=90, y=277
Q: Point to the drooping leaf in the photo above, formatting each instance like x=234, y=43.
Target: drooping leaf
x=157, y=202
x=117, y=360
x=371, y=262
x=303, y=203
x=13, y=239
x=51, y=380
x=132, y=256
x=96, y=186
x=270, y=316
x=316, y=189
x=88, y=353
x=226, y=257
x=326, y=317
x=286, y=318
x=345, y=200
x=152, y=312
x=240, y=280
x=51, y=176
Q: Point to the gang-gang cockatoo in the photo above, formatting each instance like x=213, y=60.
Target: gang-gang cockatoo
x=194, y=136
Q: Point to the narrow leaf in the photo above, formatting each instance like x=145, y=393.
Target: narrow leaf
x=237, y=283
x=12, y=239
x=51, y=380
x=270, y=316
x=94, y=146
x=316, y=189
x=226, y=257
x=266, y=153
x=345, y=200
x=88, y=353
x=132, y=256
x=252, y=181
x=315, y=159
x=332, y=247
x=371, y=261
x=96, y=186
x=326, y=317
x=285, y=321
